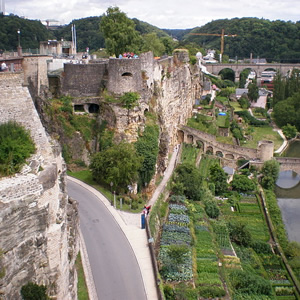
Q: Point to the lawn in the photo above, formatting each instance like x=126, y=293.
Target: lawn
x=86, y=177
x=206, y=162
x=236, y=106
x=264, y=133
x=221, y=121
x=81, y=284
x=189, y=154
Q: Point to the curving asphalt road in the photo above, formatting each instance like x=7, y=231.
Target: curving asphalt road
x=114, y=266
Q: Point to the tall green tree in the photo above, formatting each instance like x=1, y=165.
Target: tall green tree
x=289, y=131
x=188, y=177
x=219, y=178
x=151, y=42
x=270, y=173
x=253, y=91
x=119, y=32
x=118, y=164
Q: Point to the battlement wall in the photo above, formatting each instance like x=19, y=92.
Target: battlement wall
x=124, y=75
x=83, y=79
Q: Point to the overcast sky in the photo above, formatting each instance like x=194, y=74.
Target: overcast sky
x=171, y=14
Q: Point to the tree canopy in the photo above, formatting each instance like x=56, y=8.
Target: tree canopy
x=118, y=164
x=119, y=32
x=270, y=173
x=274, y=40
x=32, y=32
x=219, y=178
x=188, y=181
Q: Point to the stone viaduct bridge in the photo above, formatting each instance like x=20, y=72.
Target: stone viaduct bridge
x=232, y=153
x=257, y=68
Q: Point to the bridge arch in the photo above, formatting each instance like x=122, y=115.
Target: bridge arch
x=190, y=139
x=180, y=136
x=200, y=144
x=229, y=156
x=219, y=153
x=209, y=150
x=227, y=74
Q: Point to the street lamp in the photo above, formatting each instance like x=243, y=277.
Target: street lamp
x=19, y=43
x=111, y=185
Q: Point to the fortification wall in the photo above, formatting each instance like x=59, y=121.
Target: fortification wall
x=125, y=75
x=83, y=79
x=175, y=88
x=38, y=223
x=35, y=72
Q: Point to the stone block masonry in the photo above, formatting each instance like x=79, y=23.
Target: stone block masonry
x=39, y=240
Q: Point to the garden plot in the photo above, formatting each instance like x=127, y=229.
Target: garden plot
x=175, y=255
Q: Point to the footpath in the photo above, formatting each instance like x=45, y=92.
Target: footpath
x=130, y=223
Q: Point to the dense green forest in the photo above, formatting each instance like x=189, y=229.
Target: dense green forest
x=274, y=40
x=32, y=32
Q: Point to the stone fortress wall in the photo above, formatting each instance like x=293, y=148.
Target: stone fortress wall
x=169, y=86
x=263, y=152
x=39, y=223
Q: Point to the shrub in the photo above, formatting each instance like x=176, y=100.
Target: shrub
x=261, y=247
x=16, y=146
x=32, y=291
x=212, y=209
x=239, y=234
x=211, y=291
x=169, y=292
x=249, y=283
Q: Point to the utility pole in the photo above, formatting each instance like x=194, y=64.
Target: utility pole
x=222, y=35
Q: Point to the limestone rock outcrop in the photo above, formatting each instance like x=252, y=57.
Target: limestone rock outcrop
x=38, y=222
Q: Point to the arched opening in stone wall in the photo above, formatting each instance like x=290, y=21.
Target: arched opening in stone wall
x=229, y=156
x=145, y=111
x=180, y=136
x=227, y=74
x=219, y=154
x=209, y=150
x=190, y=139
x=93, y=108
x=241, y=158
x=200, y=144
x=79, y=108
x=246, y=76
x=127, y=74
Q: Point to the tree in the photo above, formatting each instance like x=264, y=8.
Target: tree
x=289, y=131
x=211, y=208
x=242, y=183
x=152, y=43
x=119, y=32
x=244, y=102
x=33, y=291
x=253, y=91
x=219, y=178
x=118, y=164
x=129, y=101
x=239, y=234
x=270, y=171
x=188, y=176
x=147, y=147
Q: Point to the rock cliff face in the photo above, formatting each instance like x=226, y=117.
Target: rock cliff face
x=167, y=86
x=38, y=223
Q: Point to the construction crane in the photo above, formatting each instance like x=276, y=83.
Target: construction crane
x=222, y=35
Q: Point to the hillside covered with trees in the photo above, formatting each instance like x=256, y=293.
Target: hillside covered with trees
x=32, y=32
x=277, y=41
x=274, y=40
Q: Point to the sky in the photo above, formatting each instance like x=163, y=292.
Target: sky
x=169, y=14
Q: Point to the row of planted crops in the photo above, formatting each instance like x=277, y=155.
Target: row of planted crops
x=199, y=258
